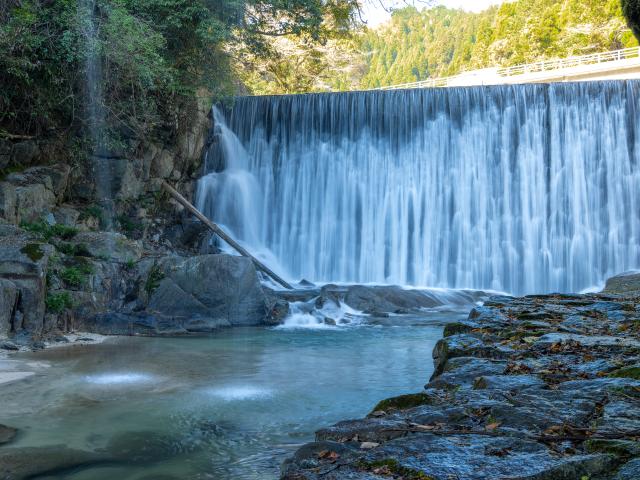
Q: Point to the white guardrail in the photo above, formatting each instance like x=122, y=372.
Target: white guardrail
x=538, y=67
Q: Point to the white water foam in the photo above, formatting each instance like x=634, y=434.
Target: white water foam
x=128, y=378
x=240, y=392
x=302, y=316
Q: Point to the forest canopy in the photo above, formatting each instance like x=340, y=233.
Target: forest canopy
x=440, y=41
x=154, y=54
x=157, y=56
x=435, y=42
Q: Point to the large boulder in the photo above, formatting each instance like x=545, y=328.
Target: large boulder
x=54, y=178
x=28, y=195
x=32, y=201
x=37, y=462
x=206, y=292
x=24, y=263
x=624, y=284
x=395, y=299
x=177, y=295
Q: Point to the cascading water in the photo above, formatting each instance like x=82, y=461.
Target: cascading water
x=94, y=108
x=530, y=188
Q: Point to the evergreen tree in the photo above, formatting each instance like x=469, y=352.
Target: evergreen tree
x=631, y=9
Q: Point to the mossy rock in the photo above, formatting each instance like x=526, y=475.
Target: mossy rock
x=632, y=371
x=403, y=402
x=33, y=251
x=390, y=466
x=621, y=448
x=455, y=328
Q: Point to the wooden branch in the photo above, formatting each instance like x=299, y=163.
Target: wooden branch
x=12, y=136
x=223, y=235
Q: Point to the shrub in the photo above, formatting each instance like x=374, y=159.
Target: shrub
x=58, y=302
x=76, y=275
x=74, y=250
x=153, y=280
x=631, y=11
x=47, y=232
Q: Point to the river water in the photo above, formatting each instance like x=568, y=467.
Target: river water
x=229, y=406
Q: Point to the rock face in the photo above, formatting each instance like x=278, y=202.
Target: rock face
x=7, y=434
x=209, y=291
x=110, y=246
x=36, y=462
x=624, y=284
x=177, y=295
x=23, y=266
x=392, y=299
x=541, y=387
x=32, y=193
x=385, y=299
x=9, y=296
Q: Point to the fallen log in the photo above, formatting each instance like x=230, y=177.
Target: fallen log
x=223, y=235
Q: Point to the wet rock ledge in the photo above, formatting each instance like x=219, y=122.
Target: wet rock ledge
x=540, y=387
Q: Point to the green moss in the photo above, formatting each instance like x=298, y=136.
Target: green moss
x=58, y=302
x=455, y=328
x=622, y=448
x=127, y=225
x=74, y=250
x=393, y=467
x=92, y=211
x=627, y=372
x=76, y=275
x=47, y=232
x=5, y=172
x=33, y=251
x=403, y=402
x=153, y=280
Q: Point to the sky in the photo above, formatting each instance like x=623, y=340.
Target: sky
x=375, y=14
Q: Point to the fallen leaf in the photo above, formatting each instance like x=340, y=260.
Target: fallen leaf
x=492, y=426
x=328, y=455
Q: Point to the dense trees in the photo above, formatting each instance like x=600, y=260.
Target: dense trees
x=440, y=41
x=631, y=9
x=154, y=54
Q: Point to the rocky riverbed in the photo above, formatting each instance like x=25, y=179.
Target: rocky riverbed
x=542, y=387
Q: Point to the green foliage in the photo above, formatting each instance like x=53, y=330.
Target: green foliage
x=74, y=249
x=440, y=41
x=58, y=302
x=403, y=402
x=5, y=172
x=128, y=225
x=631, y=10
x=153, y=279
x=632, y=371
x=154, y=56
x=46, y=232
x=33, y=251
x=73, y=276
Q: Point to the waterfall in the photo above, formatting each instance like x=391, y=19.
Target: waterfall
x=529, y=188
x=96, y=124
